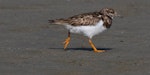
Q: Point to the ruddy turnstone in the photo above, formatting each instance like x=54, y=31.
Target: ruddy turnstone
x=88, y=24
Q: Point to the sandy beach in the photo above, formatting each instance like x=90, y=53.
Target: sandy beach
x=29, y=45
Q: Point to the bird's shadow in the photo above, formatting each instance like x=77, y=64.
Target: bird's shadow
x=84, y=49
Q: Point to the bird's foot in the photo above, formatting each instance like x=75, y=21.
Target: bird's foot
x=99, y=51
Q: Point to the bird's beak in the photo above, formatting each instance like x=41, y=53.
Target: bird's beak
x=118, y=15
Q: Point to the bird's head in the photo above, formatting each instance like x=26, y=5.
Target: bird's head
x=109, y=12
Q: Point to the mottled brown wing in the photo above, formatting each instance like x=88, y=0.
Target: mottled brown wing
x=84, y=19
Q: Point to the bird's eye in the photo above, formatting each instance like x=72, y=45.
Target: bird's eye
x=111, y=12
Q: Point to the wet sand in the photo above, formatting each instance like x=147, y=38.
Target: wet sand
x=31, y=46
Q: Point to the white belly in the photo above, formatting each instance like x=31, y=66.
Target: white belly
x=89, y=30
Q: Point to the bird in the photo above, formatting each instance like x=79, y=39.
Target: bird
x=88, y=24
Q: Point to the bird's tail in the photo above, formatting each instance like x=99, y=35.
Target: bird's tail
x=58, y=21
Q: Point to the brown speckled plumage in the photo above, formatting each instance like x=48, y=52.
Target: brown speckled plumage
x=107, y=21
x=85, y=19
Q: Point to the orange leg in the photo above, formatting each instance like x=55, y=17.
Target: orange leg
x=66, y=42
x=94, y=48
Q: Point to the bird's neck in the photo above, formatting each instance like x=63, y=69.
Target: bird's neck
x=107, y=21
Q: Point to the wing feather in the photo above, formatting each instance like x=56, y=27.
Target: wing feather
x=84, y=19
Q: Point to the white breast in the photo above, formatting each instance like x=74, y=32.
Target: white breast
x=89, y=30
